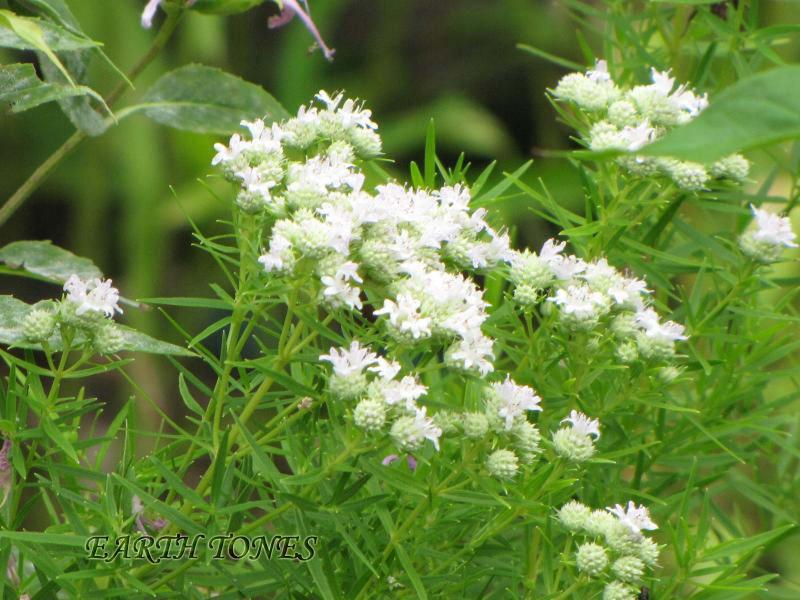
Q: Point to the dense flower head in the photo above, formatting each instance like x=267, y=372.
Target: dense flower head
x=415, y=247
x=626, y=119
x=588, y=294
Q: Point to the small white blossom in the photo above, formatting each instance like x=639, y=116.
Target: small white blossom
x=635, y=518
x=582, y=424
x=514, y=400
x=773, y=229
x=94, y=295
x=347, y=361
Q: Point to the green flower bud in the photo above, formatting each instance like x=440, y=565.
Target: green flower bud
x=475, y=425
x=502, y=464
x=628, y=568
x=574, y=515
x=370, y=414
x=591, y=558
x=616, y=590
x=38, y=325
x=108, y=338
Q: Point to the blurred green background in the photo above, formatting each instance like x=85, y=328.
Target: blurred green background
x=125, y=199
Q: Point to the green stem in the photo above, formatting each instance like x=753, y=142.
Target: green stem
x=42, y=171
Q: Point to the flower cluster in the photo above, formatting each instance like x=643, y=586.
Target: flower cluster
x=408, y=247
x=587, y=294
x=86, y=310
x=627, y=119
x=614, y=549
x=768, y=236
x=384, y=400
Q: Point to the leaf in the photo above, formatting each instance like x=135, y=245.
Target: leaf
x=28, y=29
x=757, y=111
x=206, y=100
x=136, y=341
x=12, y=311
x=20, y=87
x=55, y=36
x=48, y=261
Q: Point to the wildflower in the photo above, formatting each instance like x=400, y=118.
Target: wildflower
x=405, y=317
x=575, y=443
x=734, y=167
x=656, y=338
x=514, y=400
x=580, y=305
x=94, y=295
x=768, y=236
x=634, y=518
x=351, y=360
x=410, y=432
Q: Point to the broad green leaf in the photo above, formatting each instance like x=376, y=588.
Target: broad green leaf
x=206, y=100
x=20, y=87
x=48, y=261
x=755, y=112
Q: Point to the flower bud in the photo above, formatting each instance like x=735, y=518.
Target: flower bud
x=502, y=464
x=475, y=425
x=108, y=338
x=574, y=515
x=573, y=445
x=628, y=568
x=616, y=590
x=370, y=414
x=38, y=325
x=591, y=558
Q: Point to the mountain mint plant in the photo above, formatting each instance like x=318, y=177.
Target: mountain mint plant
x=393, y=387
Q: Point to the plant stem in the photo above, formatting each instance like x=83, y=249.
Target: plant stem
x=42, y=171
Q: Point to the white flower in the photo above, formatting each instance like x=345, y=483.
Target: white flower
x=600, y=72
x=340, y=292
x=279, y=255
x=230, y=152
x=581, y=302
x=473, y=352
x=386, y=369
x=94, y=295
x=406, y=391
x=663, y=333
x=515, y=400
x=404, y=314
x=349, y=361
x=149, y=12
x=635, y=137
x=582, y=424
x=773, y=229
x=426, y=427
x=635, y=518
